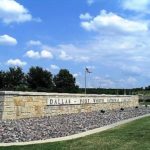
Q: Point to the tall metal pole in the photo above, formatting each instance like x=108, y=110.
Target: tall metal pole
x=125, y=92
x=85, y=80
x=117, y=92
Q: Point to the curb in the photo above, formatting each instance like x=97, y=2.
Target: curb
x=75, y=136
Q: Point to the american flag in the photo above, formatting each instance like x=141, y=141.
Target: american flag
x=87, y=70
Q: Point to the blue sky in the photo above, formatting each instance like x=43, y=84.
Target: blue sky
x=110, y=38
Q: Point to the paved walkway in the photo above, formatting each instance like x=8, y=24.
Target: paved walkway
x=75, y=136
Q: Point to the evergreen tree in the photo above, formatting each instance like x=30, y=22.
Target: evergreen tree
x=14, y=79
x=2, y=74
x=39, y=79
x=65, y=82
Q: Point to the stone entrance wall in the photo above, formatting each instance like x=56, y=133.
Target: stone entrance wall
x=16, y=105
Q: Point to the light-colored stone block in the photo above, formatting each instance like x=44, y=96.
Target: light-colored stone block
x=16, y=105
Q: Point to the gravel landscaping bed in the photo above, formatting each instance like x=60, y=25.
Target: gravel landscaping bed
x=51, y=127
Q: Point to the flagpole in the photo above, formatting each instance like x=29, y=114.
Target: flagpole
x=125, y=92
x=85, y=81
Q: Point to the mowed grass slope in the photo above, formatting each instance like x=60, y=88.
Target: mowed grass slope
x=130, y=136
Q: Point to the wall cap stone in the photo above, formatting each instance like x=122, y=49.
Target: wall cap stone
x=21, y=93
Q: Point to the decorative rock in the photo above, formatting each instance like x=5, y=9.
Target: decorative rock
x=57, y=126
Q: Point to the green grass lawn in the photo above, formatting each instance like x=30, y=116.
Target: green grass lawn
x=130, y=136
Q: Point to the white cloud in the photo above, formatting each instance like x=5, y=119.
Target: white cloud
x=90, y=2
x=106, y=50
x=7, y=40
x=64, y=56
x=71, y=52
x=131, y=69
x=37, y=19
x=46, y=54
x=113, y=22
x=37, y=54
x=117, y=40
x=16, y=62
x=103, y=82
x=32, y=54
x=85, y=16
x=11, y=11
x=34, y=43
x=54, y=67
x=137, y=5
x=129, y=82
x=66, y=52
x=75, y=75
x=82, y=58
x=139, y=59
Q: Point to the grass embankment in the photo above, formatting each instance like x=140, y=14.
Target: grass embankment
x=131, y=136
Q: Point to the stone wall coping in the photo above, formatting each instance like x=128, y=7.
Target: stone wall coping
x=21, y=93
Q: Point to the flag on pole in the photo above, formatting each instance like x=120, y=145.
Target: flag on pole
x=87, y=70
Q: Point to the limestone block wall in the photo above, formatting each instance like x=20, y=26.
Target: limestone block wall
x=16, y=105
x=1, y=105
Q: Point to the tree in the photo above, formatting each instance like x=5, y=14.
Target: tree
x=2, y=74
x=39, y=79
x=65, y=82
x=14, y=79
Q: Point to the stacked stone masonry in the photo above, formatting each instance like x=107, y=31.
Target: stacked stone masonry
x=16, y=105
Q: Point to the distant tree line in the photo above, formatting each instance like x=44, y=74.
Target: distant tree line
x=37, y=79
x=41, y=80
x=111, y=91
